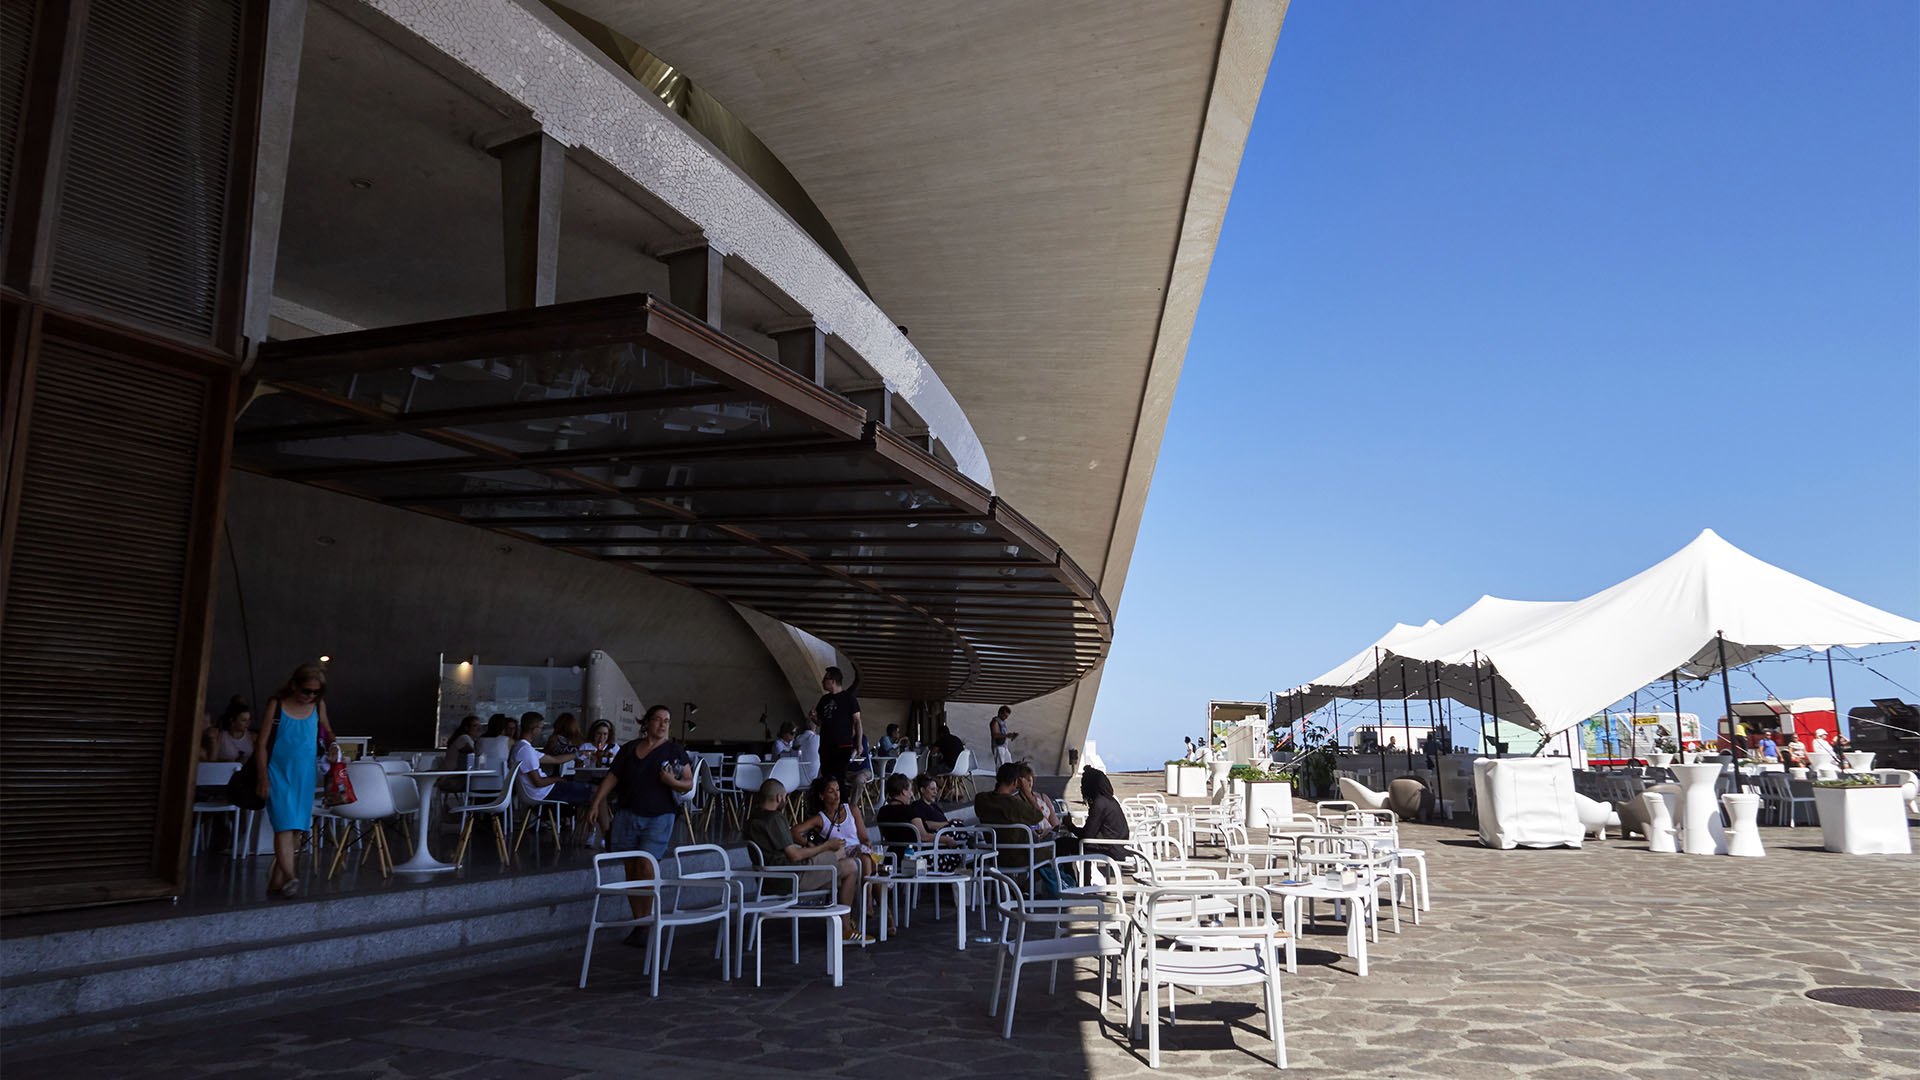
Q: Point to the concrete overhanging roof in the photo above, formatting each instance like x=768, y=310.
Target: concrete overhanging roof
x=1033, y=190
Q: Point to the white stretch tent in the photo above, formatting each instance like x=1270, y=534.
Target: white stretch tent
x=1563, y=662
x=1551, y=664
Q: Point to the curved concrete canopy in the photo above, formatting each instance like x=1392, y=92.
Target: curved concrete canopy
x=1034, y=190
x=581, y=100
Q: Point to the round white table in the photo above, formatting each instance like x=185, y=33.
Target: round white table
x=426, y=780
x=1700, y=830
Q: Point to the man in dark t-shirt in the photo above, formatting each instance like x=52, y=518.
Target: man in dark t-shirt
x=839, y=714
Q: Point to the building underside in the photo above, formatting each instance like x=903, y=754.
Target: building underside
x=722, y=339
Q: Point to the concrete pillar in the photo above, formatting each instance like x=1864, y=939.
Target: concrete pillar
x=532, y=170
x=803, y=349
x=693, y=280
x=279, y=78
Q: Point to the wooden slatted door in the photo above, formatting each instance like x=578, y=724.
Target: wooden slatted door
x=113, y=501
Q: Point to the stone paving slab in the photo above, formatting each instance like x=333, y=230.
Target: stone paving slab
x=1606, y=962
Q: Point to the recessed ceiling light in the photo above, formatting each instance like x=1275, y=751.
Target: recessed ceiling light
x=360, y=183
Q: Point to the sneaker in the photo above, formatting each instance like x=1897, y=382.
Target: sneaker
x=291, y=889
x=855, y=937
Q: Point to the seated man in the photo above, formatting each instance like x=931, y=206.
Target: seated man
x=535, y=782
x=768, y=827
x=1006, y=805
x=901, y=810
x=890, y=742
x=946, y=750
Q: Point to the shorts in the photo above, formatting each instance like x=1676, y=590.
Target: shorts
x=653, y=835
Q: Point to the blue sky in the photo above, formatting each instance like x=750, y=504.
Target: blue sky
x=1516, y=299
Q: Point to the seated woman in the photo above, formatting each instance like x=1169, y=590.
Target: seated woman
x=565, y=740
x=926, y=803
x=1105, y=819
x=600, y=740
x=230, y=739
x=496, y=743
x=783, y=742
x=834, y=819
x=465, y=740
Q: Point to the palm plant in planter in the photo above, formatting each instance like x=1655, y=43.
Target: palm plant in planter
x=1312, y=770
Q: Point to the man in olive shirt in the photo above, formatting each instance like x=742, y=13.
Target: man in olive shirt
x=1005, y=806
x=769, y=828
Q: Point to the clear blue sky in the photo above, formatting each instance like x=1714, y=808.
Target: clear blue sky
x=1516, y=299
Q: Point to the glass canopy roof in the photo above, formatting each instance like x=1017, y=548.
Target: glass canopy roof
x=626, y=430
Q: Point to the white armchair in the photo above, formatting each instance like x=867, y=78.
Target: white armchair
x=1361, y=795
x=1595, y=816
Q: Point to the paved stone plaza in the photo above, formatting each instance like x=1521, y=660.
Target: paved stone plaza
x=1604, y=962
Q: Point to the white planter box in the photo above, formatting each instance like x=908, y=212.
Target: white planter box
x=1173, y=780
x=1238, y=787
x=1275, y=795
x=1192, y=782
x=1863, y=820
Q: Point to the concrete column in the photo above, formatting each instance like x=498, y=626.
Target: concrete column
x=803, y=349
x=693, y=280
x=279, y=78
x=532, y=170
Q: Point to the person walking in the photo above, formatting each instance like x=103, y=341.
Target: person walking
x=998, y=733
x=643, y=782
x=295, y=728
x=838, y=713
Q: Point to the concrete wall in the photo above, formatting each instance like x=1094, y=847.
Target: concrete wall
x=386, y=591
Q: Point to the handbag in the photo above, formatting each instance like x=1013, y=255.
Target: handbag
x=339, y=787
x=243, y=787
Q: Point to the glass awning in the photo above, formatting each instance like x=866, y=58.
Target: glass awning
x=626, y=430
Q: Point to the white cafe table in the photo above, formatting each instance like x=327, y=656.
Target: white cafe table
x=1700, y=830
x=1358, y=897
x=426, y=780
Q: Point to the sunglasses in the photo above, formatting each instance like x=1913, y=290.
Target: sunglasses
x=310, y=691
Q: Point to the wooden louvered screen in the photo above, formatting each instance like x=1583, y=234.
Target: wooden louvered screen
x=16, y=44
x=143, y=209
x=105, y=603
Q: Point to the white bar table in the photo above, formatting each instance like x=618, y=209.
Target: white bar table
x=1701, y=831
x=426, y=780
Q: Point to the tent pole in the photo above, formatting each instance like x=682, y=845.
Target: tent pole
x=1433, y=719
x=1676, y=707
x=1493, y=699
x=1726, y=692
x=1380, y=717
x=1406, y=724
x=1832, y=693
x=1477, y=705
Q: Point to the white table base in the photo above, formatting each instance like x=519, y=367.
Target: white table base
x=1744, y=811
x=1700, y=830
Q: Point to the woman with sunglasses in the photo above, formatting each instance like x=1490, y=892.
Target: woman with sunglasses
x=296, y=724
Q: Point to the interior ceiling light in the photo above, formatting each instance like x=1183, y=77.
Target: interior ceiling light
x=360, y=183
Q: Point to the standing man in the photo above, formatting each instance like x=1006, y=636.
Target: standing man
x=997, y=731
x=839, y=716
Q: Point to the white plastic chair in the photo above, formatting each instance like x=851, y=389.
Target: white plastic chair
x=1087, y=926
x=1169, y=947
x=372, y=805
x=216, y=774
x=499, y=811
x=662, y=916
x=908, y=762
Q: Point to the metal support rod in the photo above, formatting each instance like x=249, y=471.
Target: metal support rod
x=1832, y=693
x=1676, y=707
x=1478, y=707
x=1406, y=724
x=1493, y=699
x=1726, y=692
x=1433, y=717
x=1379, y=714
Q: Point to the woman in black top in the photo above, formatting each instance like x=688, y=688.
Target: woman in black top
x=1105, y=819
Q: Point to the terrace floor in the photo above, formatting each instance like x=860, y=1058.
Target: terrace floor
x=1608, y=961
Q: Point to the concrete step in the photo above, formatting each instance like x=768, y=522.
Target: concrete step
x=68, y=982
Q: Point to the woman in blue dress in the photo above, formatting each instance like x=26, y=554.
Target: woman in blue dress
x=296, y=722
